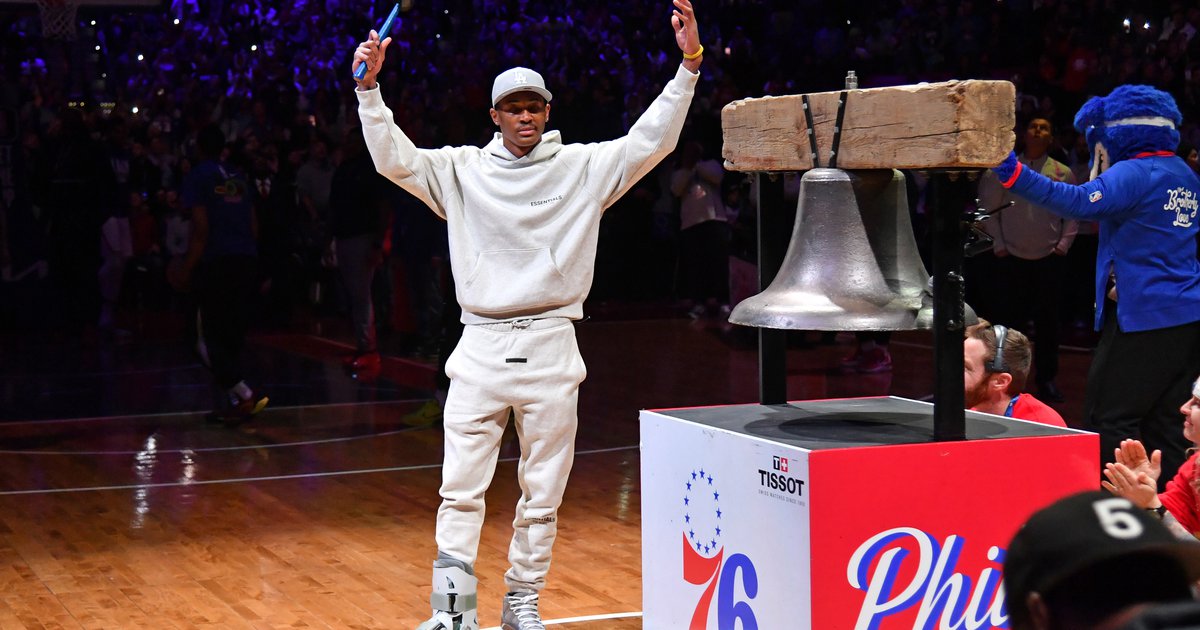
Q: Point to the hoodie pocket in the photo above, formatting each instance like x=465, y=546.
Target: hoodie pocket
x=515, y=282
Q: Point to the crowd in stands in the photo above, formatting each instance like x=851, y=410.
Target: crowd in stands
x=104, y=125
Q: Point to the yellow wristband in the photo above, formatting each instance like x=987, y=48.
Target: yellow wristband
x=695, y=55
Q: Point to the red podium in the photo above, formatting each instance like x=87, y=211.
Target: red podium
x=840, y=514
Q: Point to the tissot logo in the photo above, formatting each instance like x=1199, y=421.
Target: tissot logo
x=780, y=463
x=781, y=483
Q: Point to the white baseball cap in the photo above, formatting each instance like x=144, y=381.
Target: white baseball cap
x=519, y=80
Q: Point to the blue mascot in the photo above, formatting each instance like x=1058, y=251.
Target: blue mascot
x=1147, y=274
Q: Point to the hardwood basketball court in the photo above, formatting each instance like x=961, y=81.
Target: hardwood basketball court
x=121, y=508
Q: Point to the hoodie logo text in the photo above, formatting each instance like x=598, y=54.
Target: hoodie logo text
x=1183, y=203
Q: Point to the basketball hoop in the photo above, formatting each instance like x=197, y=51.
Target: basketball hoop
x=58, y=18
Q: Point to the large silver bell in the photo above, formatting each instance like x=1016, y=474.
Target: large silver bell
x=852, y=263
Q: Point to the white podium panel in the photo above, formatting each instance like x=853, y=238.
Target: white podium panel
x=711, y=504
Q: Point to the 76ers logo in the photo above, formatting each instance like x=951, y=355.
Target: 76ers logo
x=703, y=553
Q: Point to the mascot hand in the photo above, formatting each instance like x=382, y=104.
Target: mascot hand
x=1006, y=168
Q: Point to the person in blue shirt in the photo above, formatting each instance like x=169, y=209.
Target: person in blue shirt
x=1147, y=283
x=221, y=266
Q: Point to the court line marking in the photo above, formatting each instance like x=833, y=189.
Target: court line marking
x=217, y=449
x=336, y=473
x=347, y=346
x=4, y=423
x=555, y=622
x=108, y=373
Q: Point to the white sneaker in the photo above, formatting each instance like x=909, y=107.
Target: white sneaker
x=520, y=612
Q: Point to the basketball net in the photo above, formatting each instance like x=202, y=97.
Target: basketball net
x=58, y=18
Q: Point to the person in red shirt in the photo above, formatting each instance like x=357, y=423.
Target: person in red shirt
x=1134, y=476
x=996, y=362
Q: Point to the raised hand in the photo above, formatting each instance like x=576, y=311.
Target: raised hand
x=372, y=53
x=687, y=35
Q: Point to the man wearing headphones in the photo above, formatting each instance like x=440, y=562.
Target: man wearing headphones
x=996, y=363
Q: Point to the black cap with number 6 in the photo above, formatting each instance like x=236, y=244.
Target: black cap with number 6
x=1060, y=542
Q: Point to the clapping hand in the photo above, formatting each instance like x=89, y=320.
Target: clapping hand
x=1134, y=476
x=1139, y=488
x=1132, y=454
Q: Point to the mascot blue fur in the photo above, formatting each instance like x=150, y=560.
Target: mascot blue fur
x=1147, y=283
x=1132, y=120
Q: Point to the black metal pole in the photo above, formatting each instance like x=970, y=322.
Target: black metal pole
x=948, y=194
x=773, y=236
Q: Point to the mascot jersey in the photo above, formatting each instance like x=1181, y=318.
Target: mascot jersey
x=1146, y=208
x=1145, y=203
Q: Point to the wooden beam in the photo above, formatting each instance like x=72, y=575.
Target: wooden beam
x=955, y=124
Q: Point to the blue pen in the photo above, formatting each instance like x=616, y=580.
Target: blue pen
x=383, y=33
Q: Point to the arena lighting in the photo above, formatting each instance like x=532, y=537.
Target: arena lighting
x=134, y=109
x=176, y=21
x=93, y=22
x=140, y=57
x=1146, y=26
x=253, y=47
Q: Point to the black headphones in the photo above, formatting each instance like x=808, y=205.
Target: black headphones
x=998, y=364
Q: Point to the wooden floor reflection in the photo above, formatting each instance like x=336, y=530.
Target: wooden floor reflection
x=121, y=508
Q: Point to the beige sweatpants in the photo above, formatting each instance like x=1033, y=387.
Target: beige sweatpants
x=534, y=368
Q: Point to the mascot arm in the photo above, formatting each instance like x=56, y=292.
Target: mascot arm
x=1114, y=194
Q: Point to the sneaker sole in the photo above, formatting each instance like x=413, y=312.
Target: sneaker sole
x=262, y=404
x=237, y=419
